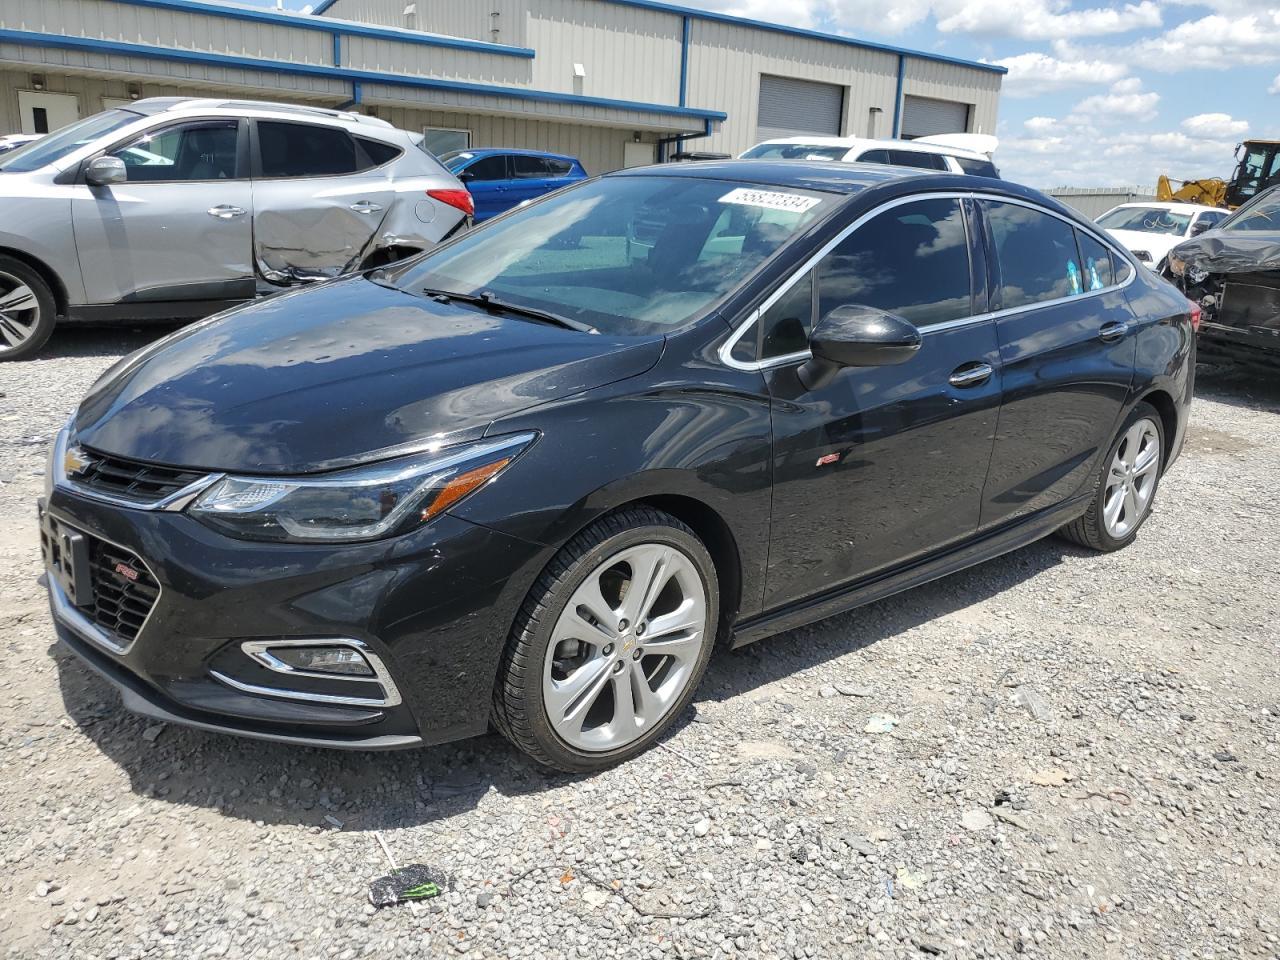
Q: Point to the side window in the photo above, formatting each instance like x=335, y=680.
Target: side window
x=977, y=168
x=376, y=153
x=204, y=150
x=784, y=327
x=1097, y=262
x=528, y=168
x=1037, y=255
x=559, y=168
x=489, y=168
x=913, y=158
x=302, y=150
x=911, y=260
x=874, y=156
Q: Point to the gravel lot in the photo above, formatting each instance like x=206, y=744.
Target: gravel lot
x=1084, y=763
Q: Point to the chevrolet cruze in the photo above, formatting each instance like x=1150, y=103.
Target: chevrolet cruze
x=533, y=479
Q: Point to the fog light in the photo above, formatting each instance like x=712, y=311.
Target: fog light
x=344, y=661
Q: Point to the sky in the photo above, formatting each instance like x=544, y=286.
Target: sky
x=1097, y=94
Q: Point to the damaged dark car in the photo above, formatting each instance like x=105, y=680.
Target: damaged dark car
x=1233, y=274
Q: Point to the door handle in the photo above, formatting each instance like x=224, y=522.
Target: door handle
x=971, y=375
x=1112, y=332
x=225, y=211
x=365, y=206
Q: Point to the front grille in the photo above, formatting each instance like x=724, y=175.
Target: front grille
x=123, y=590
x=131, y=480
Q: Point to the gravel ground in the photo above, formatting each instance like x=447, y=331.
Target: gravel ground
x=1078, y=757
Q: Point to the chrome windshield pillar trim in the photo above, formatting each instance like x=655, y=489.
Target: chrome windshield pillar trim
x=259, y=652
x=725, y=351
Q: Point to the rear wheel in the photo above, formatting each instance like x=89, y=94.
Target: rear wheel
x=1126, y=485
x=611, y=643
x=27, y=310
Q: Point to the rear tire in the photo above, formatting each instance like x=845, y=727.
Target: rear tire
x=1125, y=487
x=27, y=310
x=594, y=673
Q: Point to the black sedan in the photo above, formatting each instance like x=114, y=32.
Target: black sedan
x=532, y=479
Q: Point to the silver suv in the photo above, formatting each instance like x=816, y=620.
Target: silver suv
x=175, y=208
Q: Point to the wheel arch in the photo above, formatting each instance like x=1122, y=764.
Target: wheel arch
x=1168, y=410
x=47, y=274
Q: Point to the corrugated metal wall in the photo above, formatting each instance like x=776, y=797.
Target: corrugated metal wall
x=1093, y=202
x=472, y=19
x=949, y=81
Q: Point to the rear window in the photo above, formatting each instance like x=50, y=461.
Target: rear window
x=559, y=168
x=296, y=150
x=978, y=168
x=916, y=158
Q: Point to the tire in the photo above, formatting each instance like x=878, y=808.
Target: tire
x=536, y=677
x=25, y=330
x=1092, y=529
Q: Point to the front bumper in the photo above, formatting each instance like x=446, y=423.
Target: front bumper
x=432, y=607
x=1251, y=347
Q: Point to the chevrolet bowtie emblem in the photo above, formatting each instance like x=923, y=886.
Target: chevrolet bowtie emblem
x=75, y=461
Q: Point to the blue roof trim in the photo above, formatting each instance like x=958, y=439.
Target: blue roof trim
x=304, y=21
x=57, y=41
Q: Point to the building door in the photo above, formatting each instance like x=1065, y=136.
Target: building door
x=637, y=154
x=924, y=117
x=46, y=112
x=790, y=107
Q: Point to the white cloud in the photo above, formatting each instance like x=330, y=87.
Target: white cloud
x=1208, y=125
x=1125, y=100
x=1040, y=124
x=1215, y=42
x=1033, y=74
x=1275, y=85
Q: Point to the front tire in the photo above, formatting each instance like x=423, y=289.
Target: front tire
x=611, y=643
x=27, y=310
x=1126, y=485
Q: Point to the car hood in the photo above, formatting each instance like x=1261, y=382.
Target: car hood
x=1226, y=251
x=338, y=373
x=1156, y=244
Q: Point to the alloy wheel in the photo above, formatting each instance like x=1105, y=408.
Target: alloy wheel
x=625, y=647
x=19, y=312
x=1131, y=480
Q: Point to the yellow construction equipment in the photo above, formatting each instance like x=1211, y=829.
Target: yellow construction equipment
x=1257, y=167
x=1212, y=192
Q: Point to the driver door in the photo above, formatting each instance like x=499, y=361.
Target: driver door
x=881, y=465
x=179, y=228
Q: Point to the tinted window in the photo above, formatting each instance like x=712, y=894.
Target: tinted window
x=489, y=168
x=787, y=323
x=874, y=156
x=1212, y=219
x=559, y=168
x=794, y=151
x=912, y=158
x=978, y=168
x=912, y=260
x=624, y=254
x=302, y=150
x=205, y=150
x=1037, y=255
x=1097, y=262
x=376, y=153
x=528, y=168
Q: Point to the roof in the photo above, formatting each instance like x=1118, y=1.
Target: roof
x=851, y=143
x=713, y=17
x=801, y=174
x=518, y=151
x=154, y=105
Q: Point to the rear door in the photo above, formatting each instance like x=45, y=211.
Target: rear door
x=530, y=178
x=180, y=227
x=318, y=200
x=1067, y=349
x=882, y=464
x=488, y=180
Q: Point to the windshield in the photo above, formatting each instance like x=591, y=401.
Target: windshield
x=626, y=255
x=1262, y=214
x=1146, y=220
x=794, y=151
x=57, y=145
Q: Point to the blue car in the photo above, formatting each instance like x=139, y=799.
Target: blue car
x=500, y=179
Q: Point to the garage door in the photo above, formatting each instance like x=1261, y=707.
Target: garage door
x=790, y=107
x=923, y=117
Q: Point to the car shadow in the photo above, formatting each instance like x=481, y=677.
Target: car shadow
x=101, y=341
x=1239, y=386
x=283, y=784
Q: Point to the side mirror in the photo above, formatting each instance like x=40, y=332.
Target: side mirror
x=857, y=336
x=1199, y=227
x=466, y=176
x=105, y=171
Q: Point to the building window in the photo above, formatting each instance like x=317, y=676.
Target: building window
x=442, y=140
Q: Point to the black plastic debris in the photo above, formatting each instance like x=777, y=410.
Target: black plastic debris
x=413, y=882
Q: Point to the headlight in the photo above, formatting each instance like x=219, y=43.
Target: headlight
x=363, y=503
x=1177, y=267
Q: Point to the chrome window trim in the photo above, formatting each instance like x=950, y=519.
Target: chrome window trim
x=726, y=349
x=69, y=614
x=257, y=650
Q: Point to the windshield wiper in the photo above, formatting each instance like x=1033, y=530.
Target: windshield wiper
x=488, y=301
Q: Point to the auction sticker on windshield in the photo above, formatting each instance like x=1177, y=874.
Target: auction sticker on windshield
x=770, y=200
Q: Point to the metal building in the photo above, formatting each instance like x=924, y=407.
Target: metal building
x=615, y=82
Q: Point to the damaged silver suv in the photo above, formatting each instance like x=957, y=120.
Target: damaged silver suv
x=176, y=208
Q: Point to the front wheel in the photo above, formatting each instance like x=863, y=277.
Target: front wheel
x=610, y=644
x=1126, y=485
